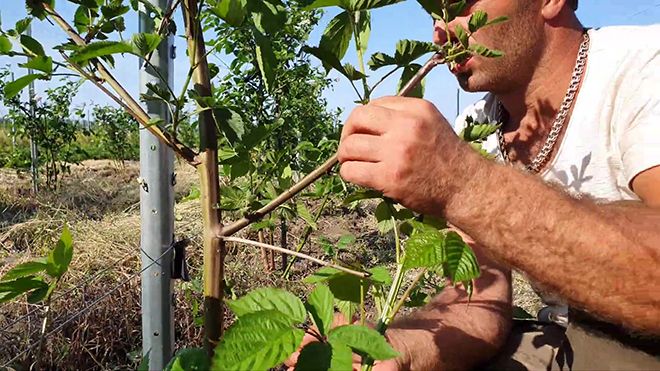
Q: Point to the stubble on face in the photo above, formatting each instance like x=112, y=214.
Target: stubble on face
x=520, y=39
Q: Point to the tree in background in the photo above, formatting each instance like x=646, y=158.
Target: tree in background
x=117, y=133
x=47, y=121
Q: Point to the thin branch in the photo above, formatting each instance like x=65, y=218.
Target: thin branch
x=373, y=88
x=298, y=254
x=236, y=226
x=406, y=294
x=167, y=19
x=142, y=117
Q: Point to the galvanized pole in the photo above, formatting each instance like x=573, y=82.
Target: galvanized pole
x=156, y=212
x=34, y=155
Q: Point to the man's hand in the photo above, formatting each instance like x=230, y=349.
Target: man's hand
x=405, y=148
x=339, y=320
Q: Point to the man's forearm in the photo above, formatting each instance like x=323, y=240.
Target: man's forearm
x=603, y=258
x=450, y=333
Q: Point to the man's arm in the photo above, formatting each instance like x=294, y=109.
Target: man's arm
x=602, y=258
x=451, y=333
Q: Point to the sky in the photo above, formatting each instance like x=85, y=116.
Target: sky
x=400, y=21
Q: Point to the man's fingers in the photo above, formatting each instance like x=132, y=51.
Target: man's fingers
x=360, y=173
x=369, y=119
x=360, y=147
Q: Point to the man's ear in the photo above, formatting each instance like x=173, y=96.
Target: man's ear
x=552, y=8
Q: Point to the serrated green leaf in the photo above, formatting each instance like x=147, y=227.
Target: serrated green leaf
x=25, y=269
x=345, y=240
x=363, y=340
x=99, y=49
x=318, y=356
x=346, y=287
x=322, y=275
x=13, y=88
x=152, y=10
x=346, y=308
x=355, y=5
x=230, y=123
x=320, y=307
x=81, y=20
x=113, y=10
x=326, y=3
x=362, y=194
x=461, y=264
x=264, y=299
x=268, y=16
x=379, y=60
x=337, y=35
x=305, y=215
x=330, y=60
x=60, y=257
x=266, y=59
x=478, y=132
x=5, y=45
x=380, y=275
x=31, y=46
x=191, y=359
x=498, y=20
x=425, y=250
x=455, y=9
x=462, y=35
x=40, y=63
x=408, y=73
x=478, y=19
x=14, y=288
x=257, y=341
x=351, y=72
x=145, y=43
x=407, y=51
x=231, y=11
x=484, y=51
x=22, y=25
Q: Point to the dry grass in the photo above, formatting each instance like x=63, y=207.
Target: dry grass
x=99, y=201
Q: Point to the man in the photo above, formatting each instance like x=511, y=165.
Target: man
x=583, y=221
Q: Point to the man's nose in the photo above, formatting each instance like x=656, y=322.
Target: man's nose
x=441, y=29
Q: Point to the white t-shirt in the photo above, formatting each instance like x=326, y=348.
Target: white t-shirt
x=614, y=131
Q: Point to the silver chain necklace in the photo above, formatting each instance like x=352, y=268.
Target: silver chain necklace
x=542, y=157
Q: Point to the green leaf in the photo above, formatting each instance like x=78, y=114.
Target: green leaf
x=346, y=308
x=40, y=63
x=11, y=289
x=326, y=3
x=478, y=132
x=13, y=88
x=81, y=20
x=462, y=35
x=150, y=9
x=36, y=7
x=379, y=60
x=351, y=72
x=407, y=51
x=25, y=269
x=5, y=45
x=362, y=194
x=264, y=299
x=346, y=287
x=320, y=307
x=257, y=341
x=331, y=60
x=478, y=19
x=230, y=123
x=268, y=16
x=145, y=43
x=337, y=35
x=384, y=215
x=191, y=359
x=231, y=11
x=432, y=7
x=266, y=59
x=461, y=264
x=318, y=356
x=425, y=250
x=305, y=215
x=22, y=25
x=345, y=240
x=380, y=275
x=408, y=73
x=484, y=51
x=322, y=275
x=363, y=340
x=99, y=49
x=497, y=20
x=60, y=257
x=39, y=294
x=113, y=10
x=355, y=5
x=31, y=46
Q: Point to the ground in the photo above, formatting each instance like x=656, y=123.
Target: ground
x=99, y=200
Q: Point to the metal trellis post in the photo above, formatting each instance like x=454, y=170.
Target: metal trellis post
x=156, y=211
